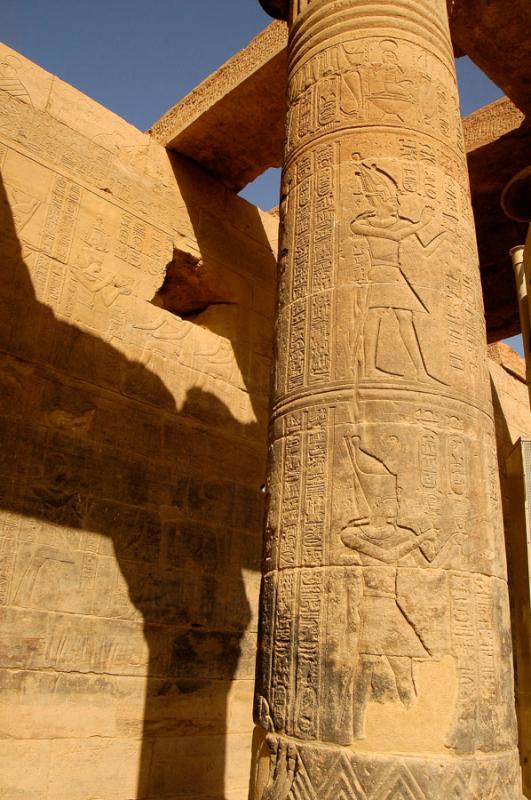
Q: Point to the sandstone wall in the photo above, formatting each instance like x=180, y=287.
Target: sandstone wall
x=513, y=420
x=131, y=459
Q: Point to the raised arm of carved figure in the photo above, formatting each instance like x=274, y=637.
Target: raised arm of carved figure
x=362, y=228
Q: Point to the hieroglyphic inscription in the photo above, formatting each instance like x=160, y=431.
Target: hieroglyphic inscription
x=473, y=644
x=309, y=653
x=324, y=216
x=7, y=562
x=464, y=335
x=141, y=245
x=303, y=231
x=70, y=647
x=297, y=350
x=488, y=678
x=301, y=534
x=291, y=500
x=464, y=637
x=378, y=80
x=429, y=461
x=457, y=465
x=320, y=333
x=315, y=496
x=283, y=648
x=387, y=544
x=56, y=239
x=67, y=150
x=60, y=219
x=453, y=319
x=312, y=269
x=493, y=481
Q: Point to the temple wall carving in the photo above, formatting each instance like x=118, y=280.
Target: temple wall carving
x=131, y=461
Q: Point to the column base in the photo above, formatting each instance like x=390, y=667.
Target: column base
x=312, y=772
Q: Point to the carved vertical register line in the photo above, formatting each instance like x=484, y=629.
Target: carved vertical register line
x=391, y=675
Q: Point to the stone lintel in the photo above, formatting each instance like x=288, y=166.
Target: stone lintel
x=495, y=35
x=233, y=122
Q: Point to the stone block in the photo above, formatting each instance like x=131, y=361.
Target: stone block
x=105, y=768
x=19, y=782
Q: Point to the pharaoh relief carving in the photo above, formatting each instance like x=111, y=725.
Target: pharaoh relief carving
x=386, y=587
x=96, y=283
x=388, y=643
x=390, y=300
x=384, y=537
x=390, y=226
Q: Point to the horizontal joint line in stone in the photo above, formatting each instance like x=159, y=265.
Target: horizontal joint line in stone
x=352, y=128
x=298, y=52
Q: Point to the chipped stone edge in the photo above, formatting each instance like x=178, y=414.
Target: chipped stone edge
x=490, y=122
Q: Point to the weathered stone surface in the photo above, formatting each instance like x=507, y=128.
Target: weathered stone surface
x=328, y=773
x=131, y=459
x=496, y=37
x=233, y=122
x=385, y=619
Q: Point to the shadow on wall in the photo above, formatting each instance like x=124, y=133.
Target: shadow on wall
x=517, y=579
x=128, y=524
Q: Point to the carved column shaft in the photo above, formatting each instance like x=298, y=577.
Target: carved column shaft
x=385, y=666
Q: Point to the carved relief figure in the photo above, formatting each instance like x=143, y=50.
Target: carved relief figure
x=388, y=644
x=385, y=227
x=391, y=90
x=282, y=776
x=95, y=283
x=97, y=238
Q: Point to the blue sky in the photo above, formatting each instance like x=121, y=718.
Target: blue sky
x=139, y=58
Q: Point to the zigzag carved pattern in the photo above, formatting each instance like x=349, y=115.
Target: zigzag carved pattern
x=325, y=774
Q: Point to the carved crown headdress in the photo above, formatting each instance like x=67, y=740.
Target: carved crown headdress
x=377, y=183
x=372, y=479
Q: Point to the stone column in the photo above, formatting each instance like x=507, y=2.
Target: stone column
x=518, y=255
x=385, y=664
